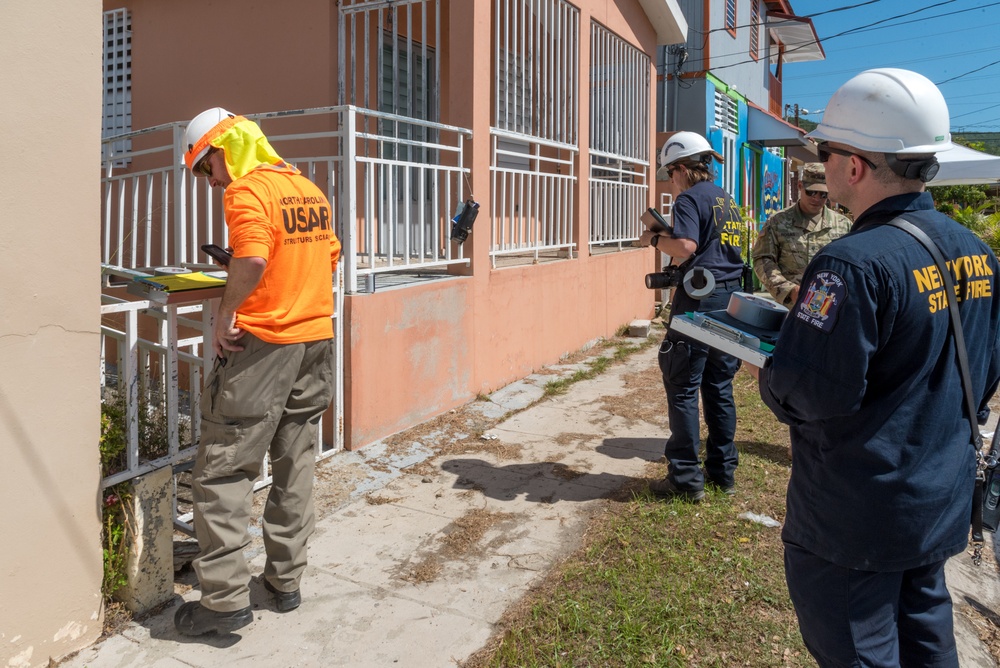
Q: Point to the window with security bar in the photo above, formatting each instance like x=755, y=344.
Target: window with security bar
x=731, y=16
x=117, y=80
x=408, y=184
x=755, y=29
x=727, y=119
x=534, y=130
x=619, y=139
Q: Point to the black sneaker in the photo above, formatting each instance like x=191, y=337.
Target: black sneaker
x=194, y=619
x=667, y=490
x=284, y=601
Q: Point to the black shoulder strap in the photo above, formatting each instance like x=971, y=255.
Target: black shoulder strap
x=963, y=367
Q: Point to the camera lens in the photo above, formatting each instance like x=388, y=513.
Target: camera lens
x=660, y=280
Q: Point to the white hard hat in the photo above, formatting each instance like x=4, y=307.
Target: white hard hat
x=200, y=125
x=684, y=145
x=887, y=110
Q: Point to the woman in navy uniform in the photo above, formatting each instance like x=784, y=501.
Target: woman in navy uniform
x=705, y=236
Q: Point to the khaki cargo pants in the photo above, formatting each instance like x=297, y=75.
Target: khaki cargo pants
x=267, y=398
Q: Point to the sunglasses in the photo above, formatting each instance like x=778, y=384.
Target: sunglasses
x=203, y=165
x=825, y=151
x=817, y=193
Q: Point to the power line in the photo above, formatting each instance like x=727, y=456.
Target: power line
x=805, y=16
x=968, y=73
x=928, y=18
x=977, y=111
x=846, y=32
x=957, y=54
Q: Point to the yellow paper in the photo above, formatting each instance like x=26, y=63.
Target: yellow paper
x=181, y=282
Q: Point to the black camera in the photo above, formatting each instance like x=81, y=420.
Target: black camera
x=698, y=282
x=670, y=277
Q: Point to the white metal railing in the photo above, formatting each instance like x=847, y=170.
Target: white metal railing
x=409, y=192
x=153, y=362
x=532, y=209
x=394, y=203
x=618, y=197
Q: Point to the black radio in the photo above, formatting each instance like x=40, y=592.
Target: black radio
x=991, y=499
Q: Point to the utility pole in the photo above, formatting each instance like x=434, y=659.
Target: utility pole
x=796, y=108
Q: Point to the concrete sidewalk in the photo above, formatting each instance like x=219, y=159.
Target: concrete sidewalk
x=427, y=551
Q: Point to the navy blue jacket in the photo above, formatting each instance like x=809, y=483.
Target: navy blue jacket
x=697, y=214
x=865, y=373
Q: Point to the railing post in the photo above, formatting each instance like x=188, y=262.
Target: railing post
x=180, y=200
x=347, y=194
x=130, y=376
x=170, y=388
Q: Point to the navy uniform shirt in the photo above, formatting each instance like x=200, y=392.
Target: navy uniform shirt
x=865, y=373
x=696, y=214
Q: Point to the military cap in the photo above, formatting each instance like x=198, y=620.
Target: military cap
x=814, y=176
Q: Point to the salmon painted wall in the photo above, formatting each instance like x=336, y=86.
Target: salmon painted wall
x=248, y=56
x=419, y=351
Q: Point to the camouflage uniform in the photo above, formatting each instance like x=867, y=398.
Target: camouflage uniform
x=786, y=244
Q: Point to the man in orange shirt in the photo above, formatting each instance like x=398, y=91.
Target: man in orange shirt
x=272, y=379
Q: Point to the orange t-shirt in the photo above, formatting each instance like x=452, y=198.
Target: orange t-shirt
x=284, y=218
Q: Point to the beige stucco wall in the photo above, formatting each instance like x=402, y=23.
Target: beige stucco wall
x=50, y=125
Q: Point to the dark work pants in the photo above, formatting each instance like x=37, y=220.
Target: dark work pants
x=861, y=618
x=688, y=368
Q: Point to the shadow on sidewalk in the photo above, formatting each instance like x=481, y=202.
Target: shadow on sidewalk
x=539, y=482
x=647, y=449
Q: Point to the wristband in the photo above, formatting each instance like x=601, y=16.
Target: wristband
x=655, y=240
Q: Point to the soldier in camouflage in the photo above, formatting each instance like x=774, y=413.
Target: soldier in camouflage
x=791, y=237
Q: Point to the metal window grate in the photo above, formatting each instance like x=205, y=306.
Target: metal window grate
x=619, y=139
x=731, y=15
x=534, y=129
x=755, y=29
x=385, y=37
x=117, y=79
x=726, y=112
x=537, y=46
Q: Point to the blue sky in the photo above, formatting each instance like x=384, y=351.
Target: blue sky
x=941, y=40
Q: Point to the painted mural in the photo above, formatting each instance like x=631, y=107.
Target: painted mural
x=770, y=191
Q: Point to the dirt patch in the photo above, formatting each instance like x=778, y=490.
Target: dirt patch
x=644, y=400
x=986, y=622
x=378, y=500
x=116, y=618
x=462, y=538
x=566, y=473
x=427, y=570
x=571, y=438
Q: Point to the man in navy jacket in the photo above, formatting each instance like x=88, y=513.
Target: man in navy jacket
x=866, y=375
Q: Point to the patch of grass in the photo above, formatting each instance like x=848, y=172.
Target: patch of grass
x=671, y=584
x=598, y=365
